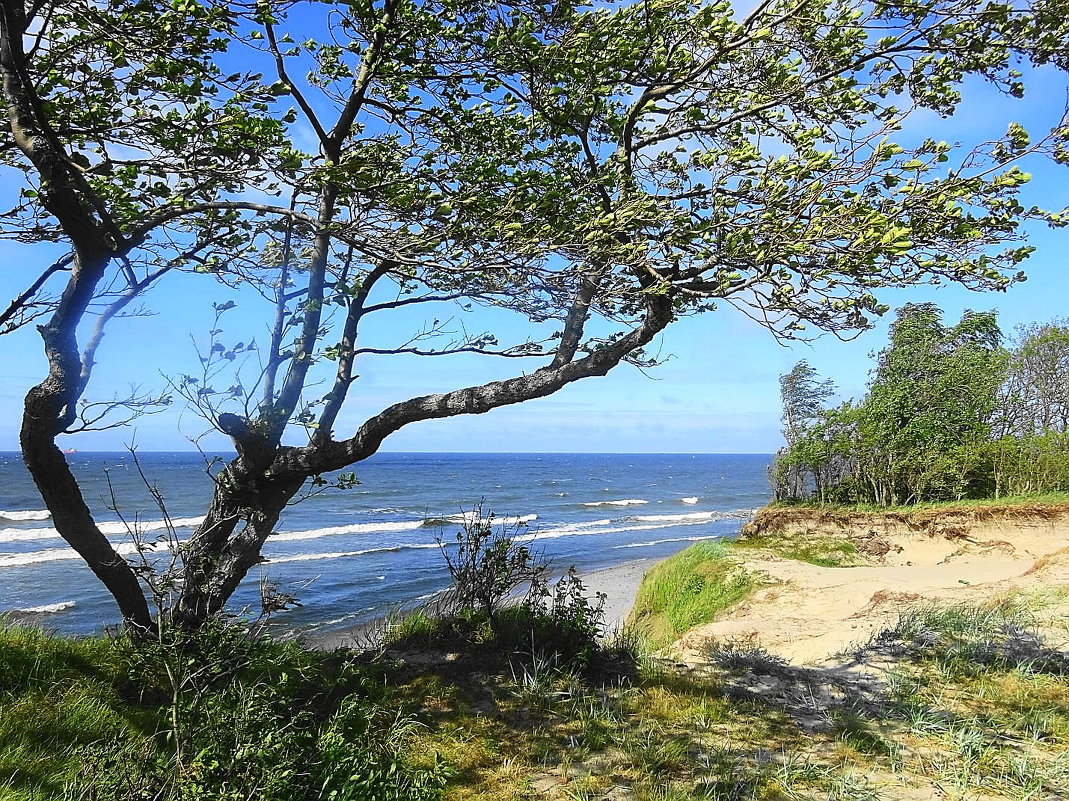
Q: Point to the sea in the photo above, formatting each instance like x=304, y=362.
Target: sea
x=351, y=555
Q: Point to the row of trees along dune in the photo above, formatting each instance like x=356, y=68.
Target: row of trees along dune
x=949, y=414
x=597, y=170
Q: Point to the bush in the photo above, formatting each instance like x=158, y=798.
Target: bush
x=488, y=564
x=242, y=717
x=485, y=610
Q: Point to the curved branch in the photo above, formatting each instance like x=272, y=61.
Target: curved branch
x=20, y=302
x=323, y=457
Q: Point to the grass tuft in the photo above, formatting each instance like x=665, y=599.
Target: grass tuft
x=689, y=588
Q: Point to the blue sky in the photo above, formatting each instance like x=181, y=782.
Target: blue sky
x=718, y=393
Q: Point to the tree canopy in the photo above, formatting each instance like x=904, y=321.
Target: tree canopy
x=597, y=170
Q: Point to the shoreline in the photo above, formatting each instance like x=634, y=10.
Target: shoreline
x=618, y=583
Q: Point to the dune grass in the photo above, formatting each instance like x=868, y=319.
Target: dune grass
x=689, y=588
x=973, y=703
x=57, y=695
x=811, y=547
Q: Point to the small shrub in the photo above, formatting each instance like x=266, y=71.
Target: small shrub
x=241, y=717
x=488, y=564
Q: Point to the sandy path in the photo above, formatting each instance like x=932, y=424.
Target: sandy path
x=807, y=613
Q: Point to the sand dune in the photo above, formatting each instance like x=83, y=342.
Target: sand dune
x=807, y=613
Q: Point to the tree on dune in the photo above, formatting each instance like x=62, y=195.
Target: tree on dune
x=597, y=171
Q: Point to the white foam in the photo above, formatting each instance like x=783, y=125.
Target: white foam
x=27, y=534
x=48, y=609
x=55, y=555
x=143, y=526
x=314, y=557
x=691, y=500
x=688, y=518
x=385, y=528
x=661, y=542
x=27, y=514
x=355, y=528
x=624, y=502
x=113, y=528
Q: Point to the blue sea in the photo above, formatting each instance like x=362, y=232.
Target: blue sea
x=351, y=555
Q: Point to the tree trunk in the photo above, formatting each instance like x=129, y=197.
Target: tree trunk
x=70, y=514
x=243, y=512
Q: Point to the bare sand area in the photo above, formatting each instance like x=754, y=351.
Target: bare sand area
x=805, y=613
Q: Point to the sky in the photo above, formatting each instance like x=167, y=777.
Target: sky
x=717, y=392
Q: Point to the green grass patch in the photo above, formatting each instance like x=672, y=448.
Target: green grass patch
x=965, y=503
x=57, y=696
x=689, y=588
x=806, y=547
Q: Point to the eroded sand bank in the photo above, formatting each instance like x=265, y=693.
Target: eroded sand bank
x=806, y=613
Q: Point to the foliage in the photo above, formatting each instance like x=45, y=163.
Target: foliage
x=687, y=589
x=553, y=620
x=1035, y=398
x=949, y=414
x=488, y=565
x=921, y=431
x=221, y=714
x=597, y=171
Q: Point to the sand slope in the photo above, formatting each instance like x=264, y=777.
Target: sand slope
x=807, y=613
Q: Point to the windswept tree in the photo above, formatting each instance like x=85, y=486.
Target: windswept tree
x=1035, y=398
x=926, y=419
x=803, y=395
x=598, y=171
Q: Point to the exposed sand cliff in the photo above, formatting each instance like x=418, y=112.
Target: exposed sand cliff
x=806, y=613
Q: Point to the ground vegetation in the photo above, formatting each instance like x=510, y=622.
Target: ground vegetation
x=596, y=171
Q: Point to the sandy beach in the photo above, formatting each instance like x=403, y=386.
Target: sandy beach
x=805, y=613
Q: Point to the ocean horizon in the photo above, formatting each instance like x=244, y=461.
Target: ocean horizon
x=353, y=555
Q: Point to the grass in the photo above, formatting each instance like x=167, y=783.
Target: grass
x=689, y=588
x=972, y=705
x=58, y=695
x=964, y=503
x=808, y=546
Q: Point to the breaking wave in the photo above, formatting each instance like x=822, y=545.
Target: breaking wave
x=384, y=528
x=113, y=528
x=314, y=557
x=624, y=502
x=28, y=514
x=47, y=609
x=664, y=541
x=55, y=555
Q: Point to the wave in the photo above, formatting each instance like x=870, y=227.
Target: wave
x=461, y=519
x=624, y=502
x=622, y=525
x=47, y=609
x=383, y=528
x=314, y=557
x=28, y=514
x=691, y=500
x=662, y=542
x=113, y=528
x=355, y=528
x=27, y=534
x=55, y=555
x=144, y=526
